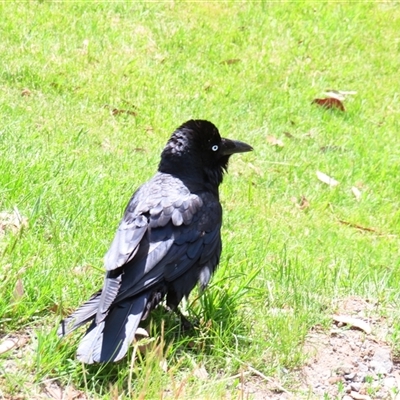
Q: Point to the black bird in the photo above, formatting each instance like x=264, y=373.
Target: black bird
x=168, y=241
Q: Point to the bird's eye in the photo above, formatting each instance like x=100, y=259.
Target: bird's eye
x=214, y=148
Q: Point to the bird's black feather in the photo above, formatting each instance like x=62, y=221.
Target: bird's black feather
x=167, y=242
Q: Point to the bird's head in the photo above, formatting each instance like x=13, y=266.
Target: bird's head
x=196, y=147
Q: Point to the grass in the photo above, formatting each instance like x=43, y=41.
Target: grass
x=69, y=165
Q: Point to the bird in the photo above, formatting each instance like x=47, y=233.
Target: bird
x=168, y=241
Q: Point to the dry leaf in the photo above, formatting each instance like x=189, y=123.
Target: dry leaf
x=53, y=390
x=200, y=373
x=304, y=203
x=18, y=292
x=26, y=92
x=361, y=228
x=356, y=192
x=327, y=179
x=207, y=86
x=356, y=322
x=231, y=61
x=289, y=135
x=274, y=141
x=117, y=111
x=55, y=307
x=164, y=365
x=9, y=343
x=329, y=102
x=149, y=130
x=324, y=149
x=12, y=221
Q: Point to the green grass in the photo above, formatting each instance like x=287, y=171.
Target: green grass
x=69, y=166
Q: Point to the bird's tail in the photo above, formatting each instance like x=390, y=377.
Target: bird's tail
x=109, y=339
x=85, y=313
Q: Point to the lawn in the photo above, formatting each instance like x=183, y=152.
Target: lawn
x=91, y=93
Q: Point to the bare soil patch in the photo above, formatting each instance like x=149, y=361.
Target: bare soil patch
x=347, y=362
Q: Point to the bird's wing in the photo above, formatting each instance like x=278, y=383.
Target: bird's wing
x=129, y=233
x=162, y=201
x=182, y=233
x=109, y=340
x=123, y=249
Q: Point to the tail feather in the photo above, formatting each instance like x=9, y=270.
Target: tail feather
x=110, y=339
x=81, y=316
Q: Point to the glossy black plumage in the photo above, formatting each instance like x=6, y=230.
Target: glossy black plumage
x=167, y=242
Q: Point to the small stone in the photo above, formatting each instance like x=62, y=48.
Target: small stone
x=382, y=361
x=363, y=367
x=381, y=395
x=360, y=377
x=356, y=386
x=343, y=371
x=335, y=379
x=376, y=384
x=390, y=382
x=350, y=377
x=358, y=396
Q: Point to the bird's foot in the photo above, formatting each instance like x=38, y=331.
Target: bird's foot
x=186, y=325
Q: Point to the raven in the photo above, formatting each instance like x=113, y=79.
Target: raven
x=168, y=241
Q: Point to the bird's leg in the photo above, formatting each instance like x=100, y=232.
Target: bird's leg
x=186, y=325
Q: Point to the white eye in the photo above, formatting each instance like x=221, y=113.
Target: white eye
x=214, y=148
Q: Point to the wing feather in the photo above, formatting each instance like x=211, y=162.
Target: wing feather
x=109, y=340
x=81, y=316
x=126, y=241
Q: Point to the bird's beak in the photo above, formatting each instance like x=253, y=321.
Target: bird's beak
x=230, y=147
